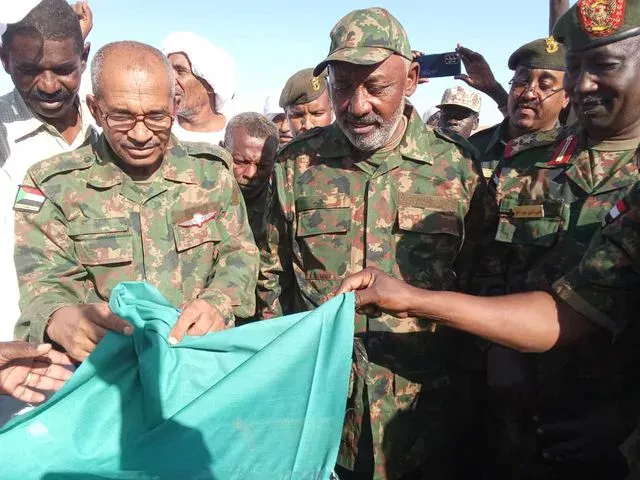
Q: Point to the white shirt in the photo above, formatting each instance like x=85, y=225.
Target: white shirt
x=24, y=141
x=188, y=136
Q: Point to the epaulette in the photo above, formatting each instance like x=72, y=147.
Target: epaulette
x=530, y=141
x=314, y=132
x=78, y=159
x=208, y=151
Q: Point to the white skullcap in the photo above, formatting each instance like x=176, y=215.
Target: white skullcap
x=272, y=108
x=208, y=62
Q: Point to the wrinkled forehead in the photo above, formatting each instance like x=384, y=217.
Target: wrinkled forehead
x=389, y=69
x=180, y=59
x=38, y=51
x=527, y=73
x=147, y=88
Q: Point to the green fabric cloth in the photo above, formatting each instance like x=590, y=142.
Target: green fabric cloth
x=263, y=401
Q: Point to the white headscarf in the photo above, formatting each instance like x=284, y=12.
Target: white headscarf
x=14, y=11
x=209, y=62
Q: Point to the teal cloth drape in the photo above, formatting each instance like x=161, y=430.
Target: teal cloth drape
x=264, y=401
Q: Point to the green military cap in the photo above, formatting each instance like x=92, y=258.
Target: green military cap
x=303, y=87
x=592, y=23
x=544, y=53
x=367, y=37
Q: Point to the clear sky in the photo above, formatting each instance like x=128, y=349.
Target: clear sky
x=271, y=40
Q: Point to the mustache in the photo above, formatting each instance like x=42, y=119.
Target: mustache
x=532, y=105
x=590, y=100
x=368, y=119
x=59, y=96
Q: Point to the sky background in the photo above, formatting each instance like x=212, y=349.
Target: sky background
x=272, y=40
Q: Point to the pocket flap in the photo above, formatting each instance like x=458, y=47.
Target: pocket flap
x=338, y=200
x=94, y=226
x=190, y=237
x=529, y=222
x=323, y=221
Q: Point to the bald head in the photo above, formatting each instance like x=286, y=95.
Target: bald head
x=139, y=62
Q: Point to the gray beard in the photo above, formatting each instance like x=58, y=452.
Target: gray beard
x=379, y=138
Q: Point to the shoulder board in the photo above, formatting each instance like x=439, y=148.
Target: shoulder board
x=563, y=151
x=458, y=140
x=79, y=159
x=208, y=151
x=531, y=141
x=314, y=132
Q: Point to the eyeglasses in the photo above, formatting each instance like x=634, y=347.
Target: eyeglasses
x=519, y=87
x=122, y=122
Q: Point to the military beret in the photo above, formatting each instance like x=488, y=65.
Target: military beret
x=544, y=53
x=592, y=23
x=303, y=87
x=366, y=37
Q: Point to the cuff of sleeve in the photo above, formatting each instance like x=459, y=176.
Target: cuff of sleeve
x=566, y=291
x=222, y=303
x=32, y=326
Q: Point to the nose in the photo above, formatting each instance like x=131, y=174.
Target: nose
x=585, y=83
x=140, y=134
x=359, y=105
x=49, y=83
x=250, y=171
x=306, y=123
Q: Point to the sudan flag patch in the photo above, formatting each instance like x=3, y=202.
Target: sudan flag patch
x=29, y=199
x=618, y=209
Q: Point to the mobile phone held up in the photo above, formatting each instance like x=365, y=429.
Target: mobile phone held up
x=439, y=65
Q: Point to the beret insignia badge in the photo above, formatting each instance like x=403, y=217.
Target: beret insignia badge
x=601, y=18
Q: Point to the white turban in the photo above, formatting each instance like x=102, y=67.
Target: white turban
x=14, y=11
x=208, y=62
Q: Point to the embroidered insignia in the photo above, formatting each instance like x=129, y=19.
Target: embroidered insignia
x=315, y=84
x=563, y=152
x=552, y=45
x=528, y=211
x=618, y=209
x=28, y=199
x=601, y=18
x=198, y=220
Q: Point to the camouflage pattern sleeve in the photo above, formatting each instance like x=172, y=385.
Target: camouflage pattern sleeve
x=276, y=279
x=232, y=288
x=605, y=286
x=49, y=275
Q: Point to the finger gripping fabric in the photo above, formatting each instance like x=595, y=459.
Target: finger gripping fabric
x=263, y=401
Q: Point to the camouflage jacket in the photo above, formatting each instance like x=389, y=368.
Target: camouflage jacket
x=605, y=286
x=185, y=232
x=551, y=194
x=490, y=144
x=336, y=214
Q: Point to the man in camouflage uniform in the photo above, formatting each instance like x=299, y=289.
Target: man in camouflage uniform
x=559, y=414
x=137, y=206
x=306, y=101
x=376, y=188
x=460, y=111
x=252, y=141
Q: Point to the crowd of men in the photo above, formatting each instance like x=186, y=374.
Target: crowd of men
x=496, y=271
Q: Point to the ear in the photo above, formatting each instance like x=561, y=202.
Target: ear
x=176, y=105
x=85, y=56
x=92, y=104
x=4, y=57
x=411, y=82
x=565, y=99
x=476, y=122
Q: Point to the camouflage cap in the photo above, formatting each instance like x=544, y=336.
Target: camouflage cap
x=592, y=23
x=461, y=97
x=366, y=37
x=544, y=53
x=303, y=87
